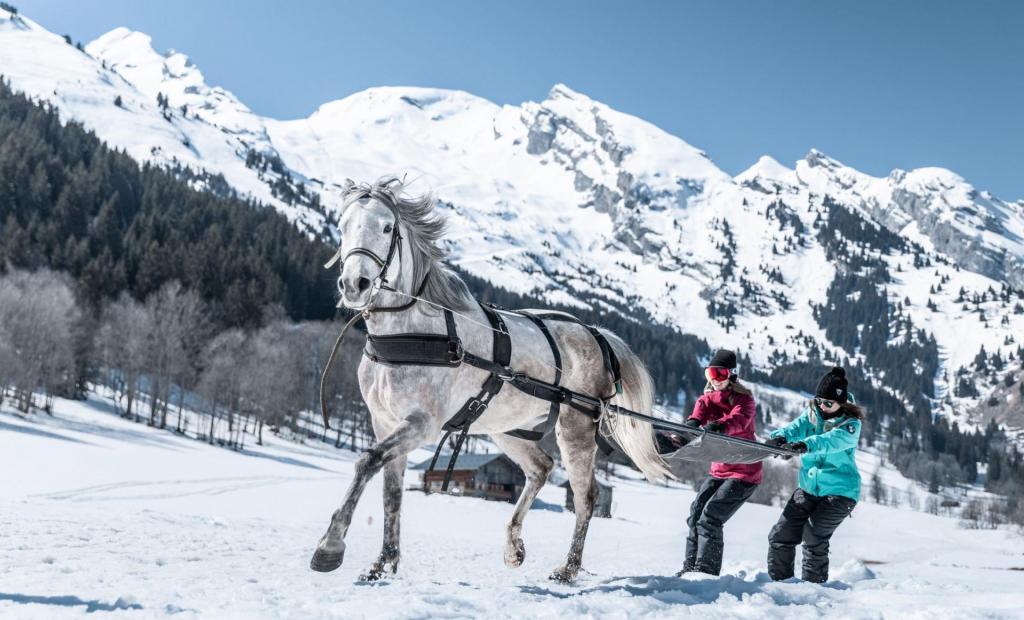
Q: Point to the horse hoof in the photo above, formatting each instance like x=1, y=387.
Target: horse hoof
x=326, y=561
x=563, y=575
x=374, y=574
x=377, y=571
x=515, y=554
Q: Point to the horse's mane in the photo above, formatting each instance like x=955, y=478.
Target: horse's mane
x=424, y=227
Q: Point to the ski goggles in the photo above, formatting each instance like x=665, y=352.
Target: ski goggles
x=717, y=373
x=828, y=404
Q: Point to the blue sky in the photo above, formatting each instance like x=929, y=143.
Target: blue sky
x=878, y=85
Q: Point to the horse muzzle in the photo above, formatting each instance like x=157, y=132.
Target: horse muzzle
x=356, y=290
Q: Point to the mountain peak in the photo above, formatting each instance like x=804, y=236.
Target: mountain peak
x=816, y=158
x=131, y=54
x=561, y=91
x=767, y=167
x=176, y=77
x=139, y=41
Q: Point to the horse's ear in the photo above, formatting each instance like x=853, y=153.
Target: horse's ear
x=347, y=185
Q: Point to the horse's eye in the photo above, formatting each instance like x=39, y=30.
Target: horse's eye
x=387, y=228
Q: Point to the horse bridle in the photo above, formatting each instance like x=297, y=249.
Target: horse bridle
x=380, y=282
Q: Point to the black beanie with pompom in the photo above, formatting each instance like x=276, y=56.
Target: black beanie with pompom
x=833, y=385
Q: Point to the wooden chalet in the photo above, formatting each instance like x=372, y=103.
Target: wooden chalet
x=490, y=476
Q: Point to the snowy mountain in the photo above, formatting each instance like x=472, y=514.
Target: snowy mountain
x=127, y=116
x=579, y=204
x=935, y=207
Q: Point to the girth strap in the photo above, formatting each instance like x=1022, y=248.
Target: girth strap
x=554, y=397
x=475, y=406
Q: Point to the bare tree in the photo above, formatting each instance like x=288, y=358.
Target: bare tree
x=178, y=325
x=38, y=314
x=220, y=382
x=123, y=342
x=275, y=376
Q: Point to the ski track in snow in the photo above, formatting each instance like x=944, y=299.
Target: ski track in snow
x=103, y=517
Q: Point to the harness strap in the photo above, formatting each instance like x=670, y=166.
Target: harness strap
x=475, y=406
x=551, y=342
x=437, y=452
x=611, y=361
x=330, y=364
x=413, y=349
x=537, y=433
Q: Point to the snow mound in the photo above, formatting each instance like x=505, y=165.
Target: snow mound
x=853, y=571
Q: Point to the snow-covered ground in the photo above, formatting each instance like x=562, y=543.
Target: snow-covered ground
x=105, y=517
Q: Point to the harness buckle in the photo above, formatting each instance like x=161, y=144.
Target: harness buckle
x=510, y=375
x=455, y=351
x=475, y=404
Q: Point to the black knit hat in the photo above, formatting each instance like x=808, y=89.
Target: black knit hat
x=724, y=358
x=833, y=385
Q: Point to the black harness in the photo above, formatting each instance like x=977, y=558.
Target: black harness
x=446, y=350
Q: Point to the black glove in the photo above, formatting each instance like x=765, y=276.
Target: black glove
x=797, y=446
x=715, y=427
x=776, y=442
x=668, y=442
x=692, y=423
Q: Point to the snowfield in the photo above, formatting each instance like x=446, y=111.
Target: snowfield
x=107, y=518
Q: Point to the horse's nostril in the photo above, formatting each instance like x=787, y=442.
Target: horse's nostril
x=363, y=284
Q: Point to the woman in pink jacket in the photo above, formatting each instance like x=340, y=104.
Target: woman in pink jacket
x=726, y=407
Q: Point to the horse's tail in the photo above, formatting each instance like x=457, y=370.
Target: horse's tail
x=636, y=438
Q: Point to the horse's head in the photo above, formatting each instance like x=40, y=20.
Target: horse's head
x=389, y=242
x=370, y=251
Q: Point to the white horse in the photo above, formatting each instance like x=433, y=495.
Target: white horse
x=390, y=237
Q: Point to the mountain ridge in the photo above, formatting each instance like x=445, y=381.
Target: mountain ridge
x=578, y=203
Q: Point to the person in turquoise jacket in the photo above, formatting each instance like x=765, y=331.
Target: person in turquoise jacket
x=826, y=433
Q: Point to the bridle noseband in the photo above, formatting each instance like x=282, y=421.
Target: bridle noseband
x=380, y=281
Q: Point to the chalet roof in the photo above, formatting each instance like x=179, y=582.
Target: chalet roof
x=465, y=461
x=566, y=485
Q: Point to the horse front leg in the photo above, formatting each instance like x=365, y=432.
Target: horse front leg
x=330, y=551
x=394, y=474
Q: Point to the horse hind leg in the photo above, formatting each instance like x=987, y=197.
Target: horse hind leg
x=536, y=465
x=576, y=433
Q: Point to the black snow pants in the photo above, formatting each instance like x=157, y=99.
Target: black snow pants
x=717, y=500
x=811, y=520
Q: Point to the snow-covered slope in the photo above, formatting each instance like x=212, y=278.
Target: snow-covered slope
x=161, y=525
x=580, y=204
x=932, y=205
x=131, y=55
x=86, y=89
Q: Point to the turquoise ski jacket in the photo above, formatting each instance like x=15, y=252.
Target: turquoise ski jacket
x=829, y=467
